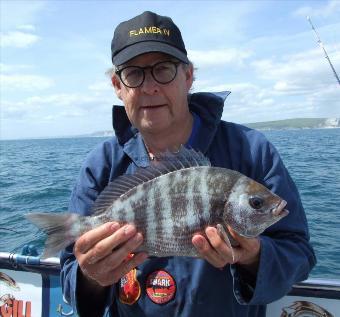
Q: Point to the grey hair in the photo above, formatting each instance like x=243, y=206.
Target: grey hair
x=110, y=72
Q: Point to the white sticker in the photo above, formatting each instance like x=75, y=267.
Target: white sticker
x=20, y=294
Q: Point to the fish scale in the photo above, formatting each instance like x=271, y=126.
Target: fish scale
x=161, y=224
x=181, y=219
x=179, y=195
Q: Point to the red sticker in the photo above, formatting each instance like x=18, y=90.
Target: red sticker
x=160, y=287
x=129, y=287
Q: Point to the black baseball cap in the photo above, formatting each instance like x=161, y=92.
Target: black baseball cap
x=145, y=33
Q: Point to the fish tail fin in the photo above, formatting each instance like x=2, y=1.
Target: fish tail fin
x=62, y=229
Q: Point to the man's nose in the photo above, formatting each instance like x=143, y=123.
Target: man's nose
x=150, y=85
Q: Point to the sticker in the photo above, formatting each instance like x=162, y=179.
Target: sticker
x=129, y=287
x=160, y=287
x=304, y=308
x=15, y=308
x=17, y=297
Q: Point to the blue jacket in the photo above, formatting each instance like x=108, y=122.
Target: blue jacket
x=193, y=287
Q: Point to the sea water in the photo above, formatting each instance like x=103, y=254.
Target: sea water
x=38, y=175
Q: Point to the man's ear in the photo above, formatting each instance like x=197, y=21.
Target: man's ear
x=189, y=73
x=117, y=85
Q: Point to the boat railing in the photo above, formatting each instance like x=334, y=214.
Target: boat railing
x=312, y=297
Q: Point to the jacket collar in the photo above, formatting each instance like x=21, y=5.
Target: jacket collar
x=208, y=106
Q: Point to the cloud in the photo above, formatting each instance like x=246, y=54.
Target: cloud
x=62, y=105
x=254, y=103
x=62, y=100
x=300, y=73
x=215, y=23
x=18, y=39
x=219, y=57
x=41, y=109
x=21, y=13
x=25, y=82
x=26, y=27
x=329, y=9
x=234, y=87
x=102, y=86
x=249, y=102
x=12, y=110
x=325, y=102
x=8, y=68
x=282, y=85
x=294, y=85
x=245, y=97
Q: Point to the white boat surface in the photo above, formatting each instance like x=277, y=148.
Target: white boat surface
x=30, y=287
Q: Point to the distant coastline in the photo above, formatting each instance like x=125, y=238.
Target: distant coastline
x=287, y=124
x=296, y=124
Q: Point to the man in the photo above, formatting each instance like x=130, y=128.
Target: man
x=100, y=273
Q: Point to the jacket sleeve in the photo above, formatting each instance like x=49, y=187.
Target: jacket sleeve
x=93, y=177
x=286, y=256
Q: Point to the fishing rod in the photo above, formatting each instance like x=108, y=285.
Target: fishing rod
x=324, y=50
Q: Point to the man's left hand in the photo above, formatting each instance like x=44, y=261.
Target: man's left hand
x=217, y=252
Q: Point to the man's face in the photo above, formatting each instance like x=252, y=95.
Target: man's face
x=155, y=107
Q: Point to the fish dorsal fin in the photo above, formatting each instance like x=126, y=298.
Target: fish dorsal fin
x=184, y=158
x=164, y=163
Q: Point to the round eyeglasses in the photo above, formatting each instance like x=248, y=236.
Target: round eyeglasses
x=162, y=73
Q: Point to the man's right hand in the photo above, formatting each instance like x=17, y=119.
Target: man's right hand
x=103, y=253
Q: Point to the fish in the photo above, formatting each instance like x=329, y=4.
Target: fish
x=8, y=281
x=170, y=201
x=305, y=308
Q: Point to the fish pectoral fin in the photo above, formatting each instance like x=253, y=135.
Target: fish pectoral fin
x=225, y=237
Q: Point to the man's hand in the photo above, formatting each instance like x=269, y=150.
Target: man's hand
x=217, y=252
x=103, y=253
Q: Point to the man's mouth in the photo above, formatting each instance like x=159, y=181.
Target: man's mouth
x=153, y=107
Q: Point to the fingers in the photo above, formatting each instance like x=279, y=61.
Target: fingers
x=102, y=253
x=90, y=238
x=105, y=276
x=248, y=252
x=105, y=247
x=216, y=241
x=126, y=267
x=120, y=254
x=250, y=244
x=207, y=251
x=237, y=237
x=218, y=253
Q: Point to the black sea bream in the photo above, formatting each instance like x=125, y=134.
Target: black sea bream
x=178, y=195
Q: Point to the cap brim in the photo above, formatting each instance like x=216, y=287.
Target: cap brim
x=147, y=47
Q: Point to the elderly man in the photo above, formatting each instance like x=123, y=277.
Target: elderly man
x=101, y=275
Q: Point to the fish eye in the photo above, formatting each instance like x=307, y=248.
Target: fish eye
x=256, y=202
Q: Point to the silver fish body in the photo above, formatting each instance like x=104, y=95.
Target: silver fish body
x=171, y=201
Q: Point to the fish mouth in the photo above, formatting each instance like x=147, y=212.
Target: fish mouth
x=279, y=210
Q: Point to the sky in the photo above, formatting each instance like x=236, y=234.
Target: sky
x=54, y=55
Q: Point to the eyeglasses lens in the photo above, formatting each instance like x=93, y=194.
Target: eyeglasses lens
x=163, y=73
